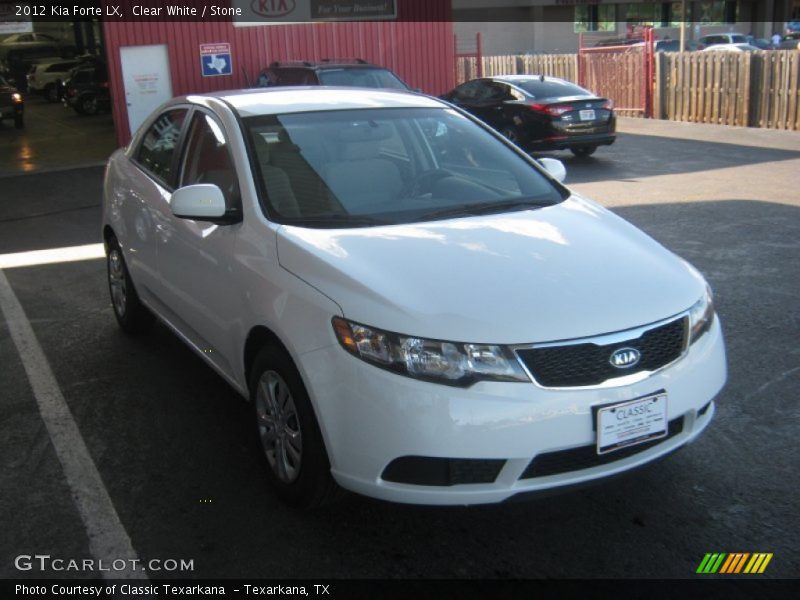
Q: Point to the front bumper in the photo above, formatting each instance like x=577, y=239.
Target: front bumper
x=370, y=417
x=11, y=110
x=564, y=142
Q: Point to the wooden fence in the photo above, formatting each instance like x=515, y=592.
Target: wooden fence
x=619, y=76
x=758, y=89
x=554, y=65
x=755, y=89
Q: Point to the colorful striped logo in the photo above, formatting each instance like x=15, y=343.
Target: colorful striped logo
x=735, y=562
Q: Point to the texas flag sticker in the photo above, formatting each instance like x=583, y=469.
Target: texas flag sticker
x=215, y=59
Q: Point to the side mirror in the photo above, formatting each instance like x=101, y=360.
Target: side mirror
x=555, y=167
x=200, y=202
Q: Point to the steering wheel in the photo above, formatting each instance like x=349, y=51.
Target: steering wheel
x=423, y=183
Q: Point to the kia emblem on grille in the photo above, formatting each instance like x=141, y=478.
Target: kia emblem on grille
x=625, y=358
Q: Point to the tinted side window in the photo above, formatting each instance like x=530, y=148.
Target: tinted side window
x=476, y=91
x=295, y=77
x=468, y=91
x=158, y=145
x=207, y=159
x=267, y=78
x=498, y=91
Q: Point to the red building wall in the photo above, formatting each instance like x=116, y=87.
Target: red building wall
x=418, y=47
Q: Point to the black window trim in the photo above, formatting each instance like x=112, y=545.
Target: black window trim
x=145, y=127
x=232, y=214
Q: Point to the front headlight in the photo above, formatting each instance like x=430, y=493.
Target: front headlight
x=16, y=98
x=701, y=315
x=451, y=363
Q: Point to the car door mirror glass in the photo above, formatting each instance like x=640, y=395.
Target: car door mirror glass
x=555, y=167
x=201, y=202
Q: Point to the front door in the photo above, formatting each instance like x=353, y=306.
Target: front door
x=194, y=257
x=146, y=79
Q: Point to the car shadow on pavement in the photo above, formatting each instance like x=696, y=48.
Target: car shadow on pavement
x=50, y=210
x=658, y=155
x=177, y=449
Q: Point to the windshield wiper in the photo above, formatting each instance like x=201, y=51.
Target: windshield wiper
x=334, y=220
x=481, y=208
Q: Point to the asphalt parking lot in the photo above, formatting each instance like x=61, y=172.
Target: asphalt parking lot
x=176, y=451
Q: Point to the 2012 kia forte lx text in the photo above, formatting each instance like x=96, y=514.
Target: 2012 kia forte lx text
x=418, y=310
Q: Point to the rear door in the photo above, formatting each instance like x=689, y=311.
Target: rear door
x=141, y=198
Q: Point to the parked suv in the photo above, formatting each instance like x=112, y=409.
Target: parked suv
x=86, y=90
x=722, y=38
x=17, y=58
x=340, y=72
x=47, y=77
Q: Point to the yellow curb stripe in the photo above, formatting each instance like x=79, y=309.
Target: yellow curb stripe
x=765, y=563
x=752, y=562
x=759, y=559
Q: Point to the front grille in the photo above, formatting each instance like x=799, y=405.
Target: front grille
x=427, y=470
x=589, y=364
x=585, y=457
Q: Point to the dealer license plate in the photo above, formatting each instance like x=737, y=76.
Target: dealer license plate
x=587, y=115
x=630, y=423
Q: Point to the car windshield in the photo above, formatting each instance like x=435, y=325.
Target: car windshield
x=550, y=88
x=355, y=168
x=361, y=77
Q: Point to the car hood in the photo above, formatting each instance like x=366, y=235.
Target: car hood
x=565, y=271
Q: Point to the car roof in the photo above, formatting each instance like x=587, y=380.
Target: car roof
x=283, y=100
x=523, y=78
x=325, y=64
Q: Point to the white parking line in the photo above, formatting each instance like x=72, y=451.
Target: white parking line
x=51, y=256
x=108, y=540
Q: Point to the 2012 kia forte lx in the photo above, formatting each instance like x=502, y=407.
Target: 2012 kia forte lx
x=418, y=310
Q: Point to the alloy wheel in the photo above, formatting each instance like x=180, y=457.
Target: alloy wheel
x=116, y=281
x=279, y=426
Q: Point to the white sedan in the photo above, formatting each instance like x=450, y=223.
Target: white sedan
x=417, y=309
x=738, y=47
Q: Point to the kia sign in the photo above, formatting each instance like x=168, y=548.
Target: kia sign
x=280, y=12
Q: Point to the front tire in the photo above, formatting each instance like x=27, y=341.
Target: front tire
x=583, y=151
x=131, y=314
x=19, y=121
x=297, y=463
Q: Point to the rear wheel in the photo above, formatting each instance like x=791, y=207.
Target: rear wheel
x=131, y=314
x=52, y=92
x=88, y=105
x=582, y=151
x=297, y=463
